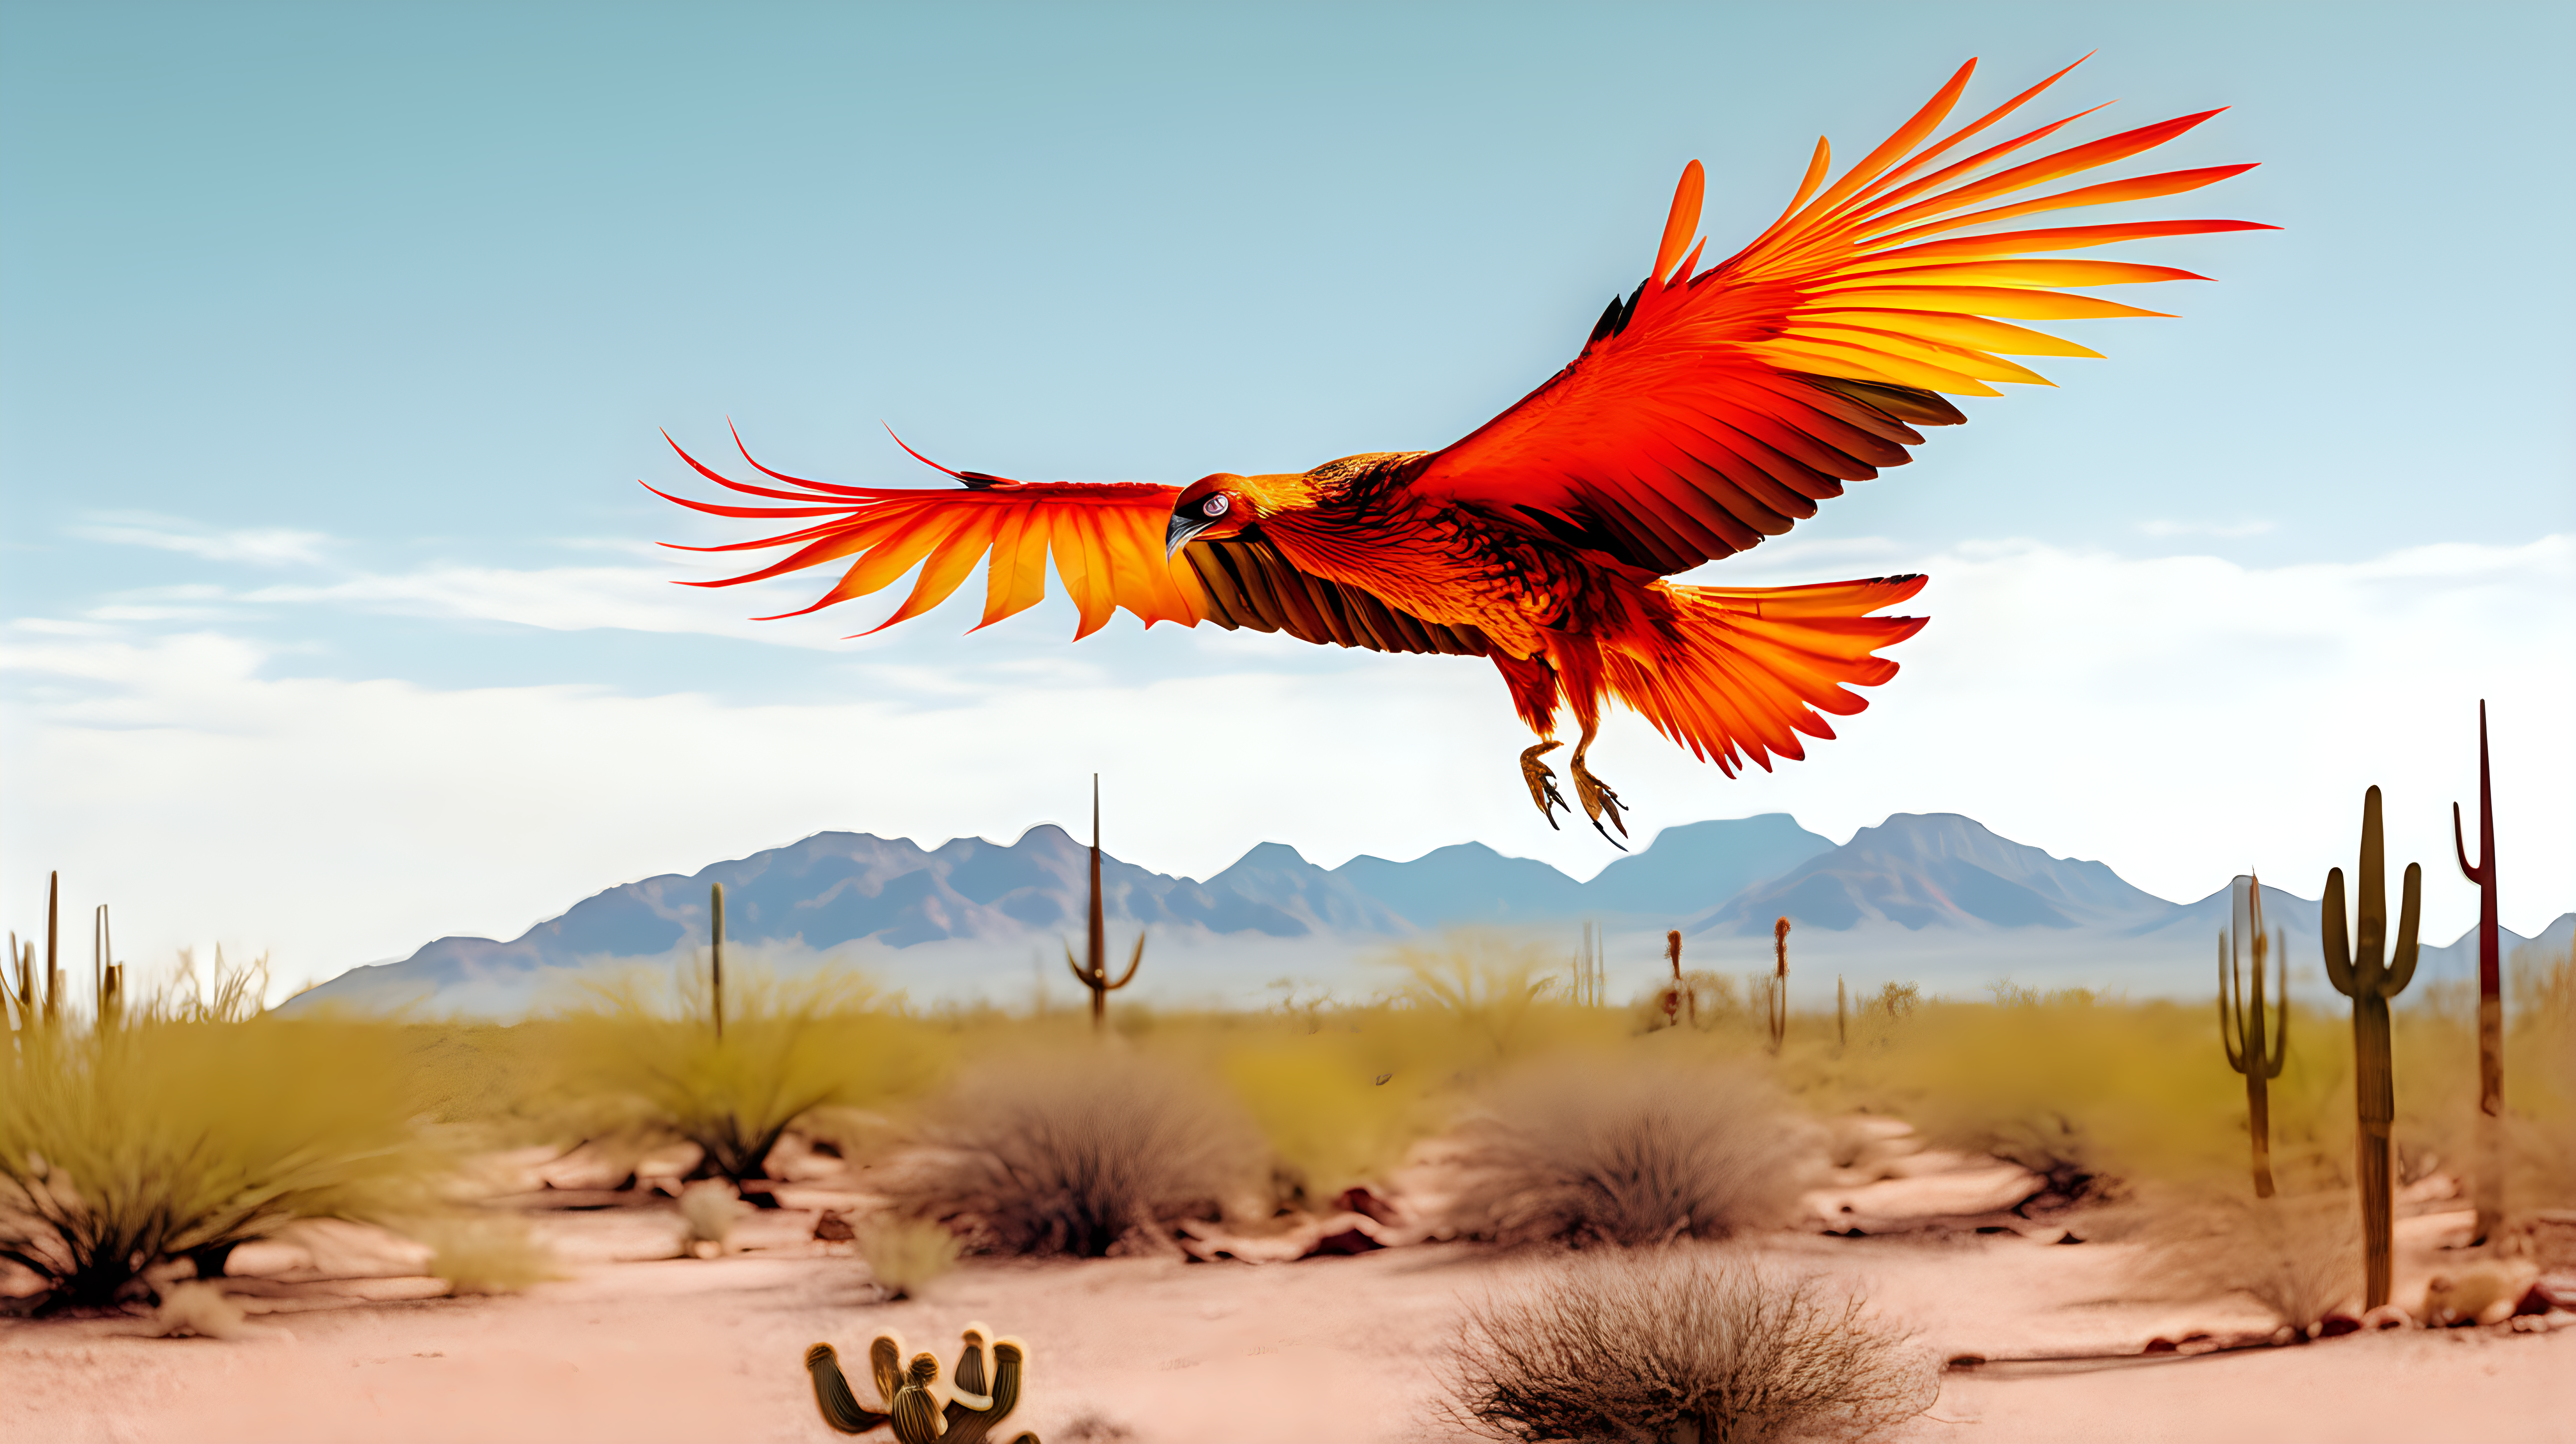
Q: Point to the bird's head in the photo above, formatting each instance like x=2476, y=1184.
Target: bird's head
x=1211, y=508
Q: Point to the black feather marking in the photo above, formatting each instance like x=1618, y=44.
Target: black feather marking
x=1608, y=323
x=978, y=481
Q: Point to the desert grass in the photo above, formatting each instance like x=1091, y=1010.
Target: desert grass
x=484, y=1253
x=906, y=1256
x=132, y=1146
x=1679, y=1346
x=639, y=1058
x=2097, y=1094
x=1618, y=1148
x=1083, y=1151
x=1344, y=1091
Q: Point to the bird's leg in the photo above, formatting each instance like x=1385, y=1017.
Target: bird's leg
x=1542, y=781
x=1593, y=793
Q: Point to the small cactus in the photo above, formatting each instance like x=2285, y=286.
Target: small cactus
x=2490, y=1182
x=911, y=1406
x=2240, y=1025
x=1680, y=994
x=1096, y=976
x=2359, y=974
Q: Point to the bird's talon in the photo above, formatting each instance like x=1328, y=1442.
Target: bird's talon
x=1542, y=781
x=1598, y=798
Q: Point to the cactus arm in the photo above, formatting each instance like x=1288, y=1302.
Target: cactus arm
x=2460, y=845
x=916, y=1417
x=2228, y=1022
x=2370, y=900
x=885, y=1363
x=1133, y=959
x=1010, y=1360
x=2281, y=1020
x=2330, y=928
x=840, y=1408
x=1079, y=975
x=2401, y=966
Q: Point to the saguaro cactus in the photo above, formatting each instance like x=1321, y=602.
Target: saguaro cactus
x=2358, y=973
x=715, y=905
x=2240, y=1023
x=53, y=963
x=2490, y=1184
x=1780, y=984
x=910, y=1407
x=1096, y=976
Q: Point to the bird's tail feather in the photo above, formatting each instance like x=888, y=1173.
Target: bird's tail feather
x=1739, y=672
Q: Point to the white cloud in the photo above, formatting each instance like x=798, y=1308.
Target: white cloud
x=260, y=546
x=2179, y=718
x=2224, y=531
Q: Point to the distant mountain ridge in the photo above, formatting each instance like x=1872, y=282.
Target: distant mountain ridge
x=1914, y=875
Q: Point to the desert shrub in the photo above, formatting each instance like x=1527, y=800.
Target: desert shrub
x=2299, y=1256
x=1628, y=1150
x=906, y=1255
x=2089, y=1091
x=1670, y=1345
x=1495, y=994
x=709, y=1210
x=1076, y=1151
x=634, y=1057
x=484, y=1253
x=1339, y=1108
x=134, y=1145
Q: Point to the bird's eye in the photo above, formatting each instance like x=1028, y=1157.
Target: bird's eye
x=1214, y=506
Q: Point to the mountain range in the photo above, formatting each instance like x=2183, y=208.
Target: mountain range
x=1937, y=898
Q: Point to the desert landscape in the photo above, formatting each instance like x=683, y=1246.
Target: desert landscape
x=2030, y=1214
x=793, y=722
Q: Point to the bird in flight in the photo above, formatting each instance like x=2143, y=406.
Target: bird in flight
x=1709, y=408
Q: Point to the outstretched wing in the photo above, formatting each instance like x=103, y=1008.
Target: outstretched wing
x=1106, y=539
x=1710, y=410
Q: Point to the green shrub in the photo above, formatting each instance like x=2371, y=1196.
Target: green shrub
x=633, y=1058
x=133, y=1146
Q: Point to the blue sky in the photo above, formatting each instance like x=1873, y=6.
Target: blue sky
x=333, y=341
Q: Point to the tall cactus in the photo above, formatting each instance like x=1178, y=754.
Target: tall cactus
x=2357, y=973
x=715, y=904
x=1779, y=1001
x=2240, y=1024
x=1096, y=976
x=2490, y=1185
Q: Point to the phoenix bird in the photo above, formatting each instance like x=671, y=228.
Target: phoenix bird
x=1708, y=409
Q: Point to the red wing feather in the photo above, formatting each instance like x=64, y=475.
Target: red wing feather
x=1715, y=407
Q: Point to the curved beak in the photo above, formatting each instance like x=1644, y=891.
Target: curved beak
x=1178, y=534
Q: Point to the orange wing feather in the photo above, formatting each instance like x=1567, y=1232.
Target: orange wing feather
x=1715, y=408
x=1106, y=539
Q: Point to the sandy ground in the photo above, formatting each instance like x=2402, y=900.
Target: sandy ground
x=641, y=1346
